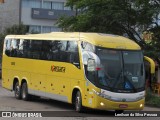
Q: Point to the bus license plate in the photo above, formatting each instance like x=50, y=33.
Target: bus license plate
x=123, y=106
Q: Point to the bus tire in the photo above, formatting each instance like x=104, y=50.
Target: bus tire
x=17, y=90
x=78, y=102
x=25, y=95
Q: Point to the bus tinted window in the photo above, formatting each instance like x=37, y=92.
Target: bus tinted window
x=45, y=49
x=11, y=47
x=7, y=47
x=62, y=51
x=20, y=48
x=72, y=50
x=35, y=49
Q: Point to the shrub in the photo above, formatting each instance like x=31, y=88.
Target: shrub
x=152, y=99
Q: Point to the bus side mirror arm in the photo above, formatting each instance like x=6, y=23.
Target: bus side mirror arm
x=152, y=64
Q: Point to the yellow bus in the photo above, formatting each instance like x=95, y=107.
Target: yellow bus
x=93, y=70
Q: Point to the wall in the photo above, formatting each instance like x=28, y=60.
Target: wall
x=9, y=14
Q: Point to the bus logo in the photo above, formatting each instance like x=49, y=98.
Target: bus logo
x=123, y=100
x=58, y=69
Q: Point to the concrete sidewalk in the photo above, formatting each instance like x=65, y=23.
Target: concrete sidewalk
x=148, y=108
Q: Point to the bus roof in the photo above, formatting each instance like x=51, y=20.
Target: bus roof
x=98, y=39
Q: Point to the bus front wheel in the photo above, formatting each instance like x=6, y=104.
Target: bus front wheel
x=17, y=91
x=25, y=95
x=78, y=102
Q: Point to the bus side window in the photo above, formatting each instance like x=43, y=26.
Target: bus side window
x=73, y=54
x=57, y=51
x=88, y=47
x=45, y=55
x=7, y=46
x=26, y=47
x=14, y=47
x=63, y=55
x=35, y=49
x=20, y=48
x=54, y=51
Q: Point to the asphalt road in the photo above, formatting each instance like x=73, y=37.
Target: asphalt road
x=57, y=109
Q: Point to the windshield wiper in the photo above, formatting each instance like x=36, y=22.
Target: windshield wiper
x=117, y=78
x=124, y=77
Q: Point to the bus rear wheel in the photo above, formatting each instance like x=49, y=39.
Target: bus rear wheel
x=25, y=95
x=78, y=102
x=17, y=91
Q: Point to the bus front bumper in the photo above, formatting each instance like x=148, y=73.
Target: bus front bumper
x=105, y=104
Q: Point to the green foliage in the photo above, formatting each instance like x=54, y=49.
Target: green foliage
x=152, y=100
x=122, y=17
x=16, y=30
x=153, y=48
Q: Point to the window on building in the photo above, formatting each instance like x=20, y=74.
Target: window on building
x=46, y=29
x=35, y=3
x=31, y=3
x=34, y=29
x=25, y=3
x=55, y=29
x=47, y=5
x=58, y=5
x=66, y=7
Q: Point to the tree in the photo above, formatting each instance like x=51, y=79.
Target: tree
x=16, y=29
x=122, y=17
x=153, y=48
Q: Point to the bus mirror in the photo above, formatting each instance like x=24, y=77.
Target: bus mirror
x=151, y=64
x=91, y=65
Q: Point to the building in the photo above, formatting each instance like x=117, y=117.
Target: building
x=39, y=15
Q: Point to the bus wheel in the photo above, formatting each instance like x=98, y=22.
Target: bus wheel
x=25, y=95
x=78, y=102
x=17, y=91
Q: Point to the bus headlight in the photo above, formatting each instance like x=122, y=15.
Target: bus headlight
x=102, y=95
x=102, y=104
x=141, y=105
x=119, y=99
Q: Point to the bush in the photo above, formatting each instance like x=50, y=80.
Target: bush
x=152, y=99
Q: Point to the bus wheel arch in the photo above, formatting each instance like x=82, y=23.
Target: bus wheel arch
x=77, y=100
x=17, y=88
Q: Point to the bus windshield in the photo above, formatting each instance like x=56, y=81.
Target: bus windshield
x=120, y=71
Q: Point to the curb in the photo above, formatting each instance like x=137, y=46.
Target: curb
x=152, y=106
